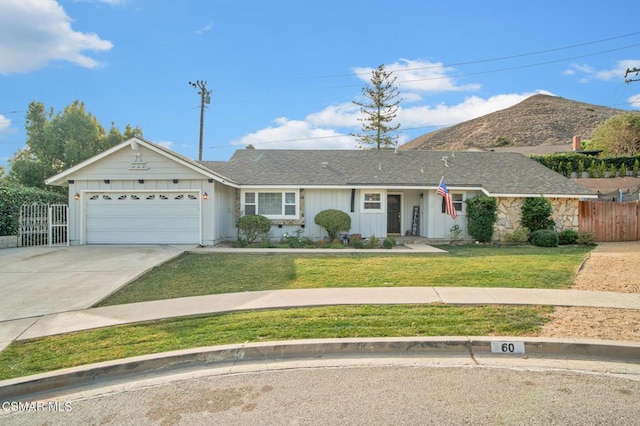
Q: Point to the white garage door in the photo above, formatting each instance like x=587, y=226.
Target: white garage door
x=153, y=217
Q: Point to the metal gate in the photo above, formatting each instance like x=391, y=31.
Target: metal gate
x=44, y=224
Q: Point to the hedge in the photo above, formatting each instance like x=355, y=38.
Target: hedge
x=12, y=197
x=566, y=163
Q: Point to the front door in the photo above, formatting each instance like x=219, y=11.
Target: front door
x=393, y=214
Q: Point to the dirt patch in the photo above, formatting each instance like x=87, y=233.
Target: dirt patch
x=609, y=267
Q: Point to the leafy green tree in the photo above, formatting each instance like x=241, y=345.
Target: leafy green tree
x=56, y=142
x=619, y=135
x=379, y=110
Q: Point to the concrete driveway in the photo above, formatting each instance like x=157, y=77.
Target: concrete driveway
x=36, y=281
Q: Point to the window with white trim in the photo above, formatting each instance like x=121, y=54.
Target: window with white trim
x=372, y=201
x=272, y=204
x=457, y=199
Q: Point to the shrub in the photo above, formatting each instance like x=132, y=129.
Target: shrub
x=253, y=227
x=372, y=243
x=481, y=216
x=623, y=170
x=13, y=196
x=389, y=242
x=537, y=214
x=356, y=241
x=587, y=238
x=544, y=238
x=293, y=241
x=333, y=221
x=519, y=236
x=568, y=236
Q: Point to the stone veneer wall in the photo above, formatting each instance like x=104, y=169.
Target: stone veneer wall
x=565, y=214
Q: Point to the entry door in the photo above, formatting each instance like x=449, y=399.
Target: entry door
x=393, y=214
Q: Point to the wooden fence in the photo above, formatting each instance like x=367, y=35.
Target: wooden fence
x=610, y=221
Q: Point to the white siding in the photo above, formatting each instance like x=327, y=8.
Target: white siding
x=316, y=200
x=224, y=220
x=439, y=224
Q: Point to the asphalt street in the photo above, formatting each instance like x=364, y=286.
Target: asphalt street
x=353, y=392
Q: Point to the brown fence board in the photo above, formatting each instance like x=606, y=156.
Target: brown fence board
x=610, y=221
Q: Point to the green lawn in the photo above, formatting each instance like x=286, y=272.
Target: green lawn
x=56, y=352
x=472, y=266
x=198, y=274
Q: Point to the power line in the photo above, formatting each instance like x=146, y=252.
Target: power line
x=524, y=66
x=499, y=58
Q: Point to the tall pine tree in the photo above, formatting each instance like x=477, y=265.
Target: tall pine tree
x=379, y=110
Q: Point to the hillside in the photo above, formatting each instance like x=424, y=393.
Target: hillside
x=538, y=120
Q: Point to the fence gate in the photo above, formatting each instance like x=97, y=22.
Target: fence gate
x=610, y=221
x=44, y=224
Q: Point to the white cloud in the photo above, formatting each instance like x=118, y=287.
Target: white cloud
x=420, y=76
x=34, y=33
x=204, y=29
x=635, y=100
x=446, y=115
x=296, y=134
x=341, y=115
x=5, y=123
x=589, y=73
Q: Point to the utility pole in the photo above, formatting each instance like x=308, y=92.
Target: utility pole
x=631, y=71
x=205, y=98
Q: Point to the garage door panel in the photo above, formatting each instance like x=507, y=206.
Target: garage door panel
x=143, y=218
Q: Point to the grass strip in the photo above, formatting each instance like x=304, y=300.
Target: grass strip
x=51, y=353
x=468, y=266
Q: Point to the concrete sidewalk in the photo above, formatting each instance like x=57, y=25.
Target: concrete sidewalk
x=85, y=319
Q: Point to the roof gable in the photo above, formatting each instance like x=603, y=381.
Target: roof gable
x=131, y=156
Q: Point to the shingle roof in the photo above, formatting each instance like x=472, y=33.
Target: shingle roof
x=499, y=173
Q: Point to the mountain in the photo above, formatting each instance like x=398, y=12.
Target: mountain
x=538, y=120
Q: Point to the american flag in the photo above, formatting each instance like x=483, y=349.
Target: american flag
x=448, y=202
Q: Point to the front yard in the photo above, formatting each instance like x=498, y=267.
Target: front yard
x=196, y=274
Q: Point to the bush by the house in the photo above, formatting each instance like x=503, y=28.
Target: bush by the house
x=356, y=241
x=389, y=243
x=481, y=216
x=537, y=214
x=519, y=236
x=544, y=238
x=372, y=242
x=333, y=221
x=253, y=227
x=296, y=240
x=568, y=236
x=12, y=197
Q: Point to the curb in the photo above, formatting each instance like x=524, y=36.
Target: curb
x=216, y=356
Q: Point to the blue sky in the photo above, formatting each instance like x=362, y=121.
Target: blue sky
x=284, y=73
